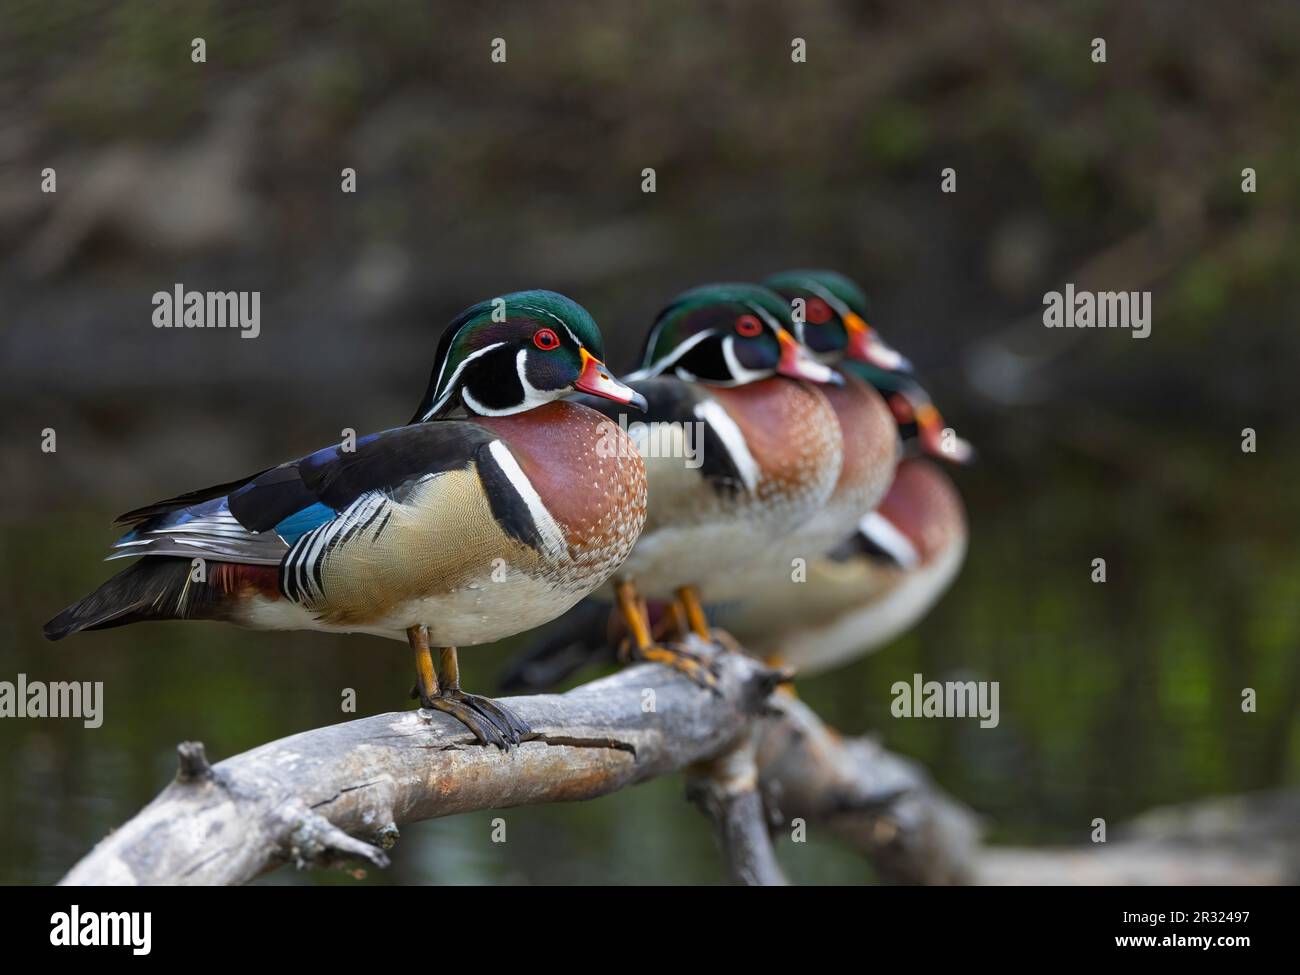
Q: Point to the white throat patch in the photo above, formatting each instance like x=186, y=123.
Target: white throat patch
x=533, y=396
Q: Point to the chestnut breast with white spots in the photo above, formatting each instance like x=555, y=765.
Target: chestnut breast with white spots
x=783, y=441
x=589, y=476
x=871, y=448
x=852, y=605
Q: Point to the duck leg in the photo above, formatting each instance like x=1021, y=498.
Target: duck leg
x=439, y=690
x=699, y=623
x=641, y=645
x=776, y=662
x=671, y=625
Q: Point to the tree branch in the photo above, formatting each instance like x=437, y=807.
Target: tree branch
x=882, y=805
x=332, y=794
x=341, y=793
x=726, y=790
x=888, y=809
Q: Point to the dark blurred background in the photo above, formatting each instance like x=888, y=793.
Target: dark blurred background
x=476, y=178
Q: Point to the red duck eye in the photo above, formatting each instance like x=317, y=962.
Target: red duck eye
x=546, y=339
x=817, y=312
x=748, y=326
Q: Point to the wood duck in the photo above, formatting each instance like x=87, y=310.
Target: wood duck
x=830, y=321
x=740, y=447
x=901, y=555
x=824, y=320
x=920, y=424
x=492, y=512
x=833, y=327
x=874, y=586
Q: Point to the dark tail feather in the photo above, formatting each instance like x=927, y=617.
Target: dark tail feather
x=151, y=589
x=583, y=636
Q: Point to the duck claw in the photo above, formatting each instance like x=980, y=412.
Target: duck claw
x=501, y=716
x=724, y=641
x=491, y=723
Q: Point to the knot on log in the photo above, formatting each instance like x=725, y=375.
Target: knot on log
x=194, y=765
x=750, y=681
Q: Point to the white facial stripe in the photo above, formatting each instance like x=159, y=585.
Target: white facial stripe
x=655, y=368
x=441, y=372
x=451, y=383
x=767, y=317
x=550, y=314
x=482, y=409
x=732, y=439
x=476, y=407
x=546, y=525
x=738, y=372
x=830, y=298
x=532, y=395
x=650, y=343
x=881, y=532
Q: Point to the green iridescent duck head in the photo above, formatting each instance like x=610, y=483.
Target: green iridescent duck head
x=830, y=316
x=728, y=335
x=516, y=352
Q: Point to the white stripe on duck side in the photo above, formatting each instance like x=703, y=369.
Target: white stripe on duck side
x=302, y=571
x=547, y=527
x=733, y=440
x=881, y=531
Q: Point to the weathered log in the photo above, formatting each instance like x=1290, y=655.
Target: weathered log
x=342, y=792
x=726, y=789
x=882, y=805
x=888, y=809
